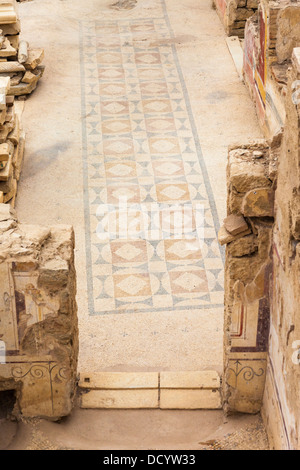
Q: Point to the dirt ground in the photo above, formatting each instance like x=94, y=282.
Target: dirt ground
x=137, y=430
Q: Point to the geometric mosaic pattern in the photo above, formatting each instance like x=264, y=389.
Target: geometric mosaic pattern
x=140, y=146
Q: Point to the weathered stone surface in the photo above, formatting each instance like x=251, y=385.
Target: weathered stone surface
x=247, y=277
x=235, y=224
x=245, y=246
x=8, y=14
x=23, y=52
x=259, y=203
x=190, y=380
x=246, y=174
x=225, y=237
x=29, y=78
x=190, y=399
x=120, y=399
x=253, y=4
x=281, y=410
x=288, y=31
x=7, y=50
x=234, y=14
x=119, y=380
x=7, y=213
x=295, y=214
x=35, y=58
x=243, y=14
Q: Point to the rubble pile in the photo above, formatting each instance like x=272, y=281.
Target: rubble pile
x=12, y=143
x=17, y=60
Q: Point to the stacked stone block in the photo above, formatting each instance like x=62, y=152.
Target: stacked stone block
x=12, y=143
x=17, y=60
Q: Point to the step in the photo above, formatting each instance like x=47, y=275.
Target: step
x=187, y=390
x=235, y=48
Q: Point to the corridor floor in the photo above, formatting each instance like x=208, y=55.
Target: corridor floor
x=135, y=113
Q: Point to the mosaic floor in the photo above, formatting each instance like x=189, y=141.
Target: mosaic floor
x=150, y=215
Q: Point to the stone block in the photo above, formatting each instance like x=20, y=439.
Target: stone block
x=38, y=318
x=246, y=378
x=245, y=176
x=8, y=14
x=235, y=224
x=4, y=152
x=225, y=237
x=295, y=215
x=120, y=399
x=7, y=50
x=235, y=201
x=29, y=78
x=6, y=172
x=190, y=380
x=11, y=29
x=12, y=191
x=119, y=380
x=4, y=85
x=7, y=213
x=190, y=399
x=288, y=31
x=243, y=14
x=23, y=52
x=35, y=58
x=243, y=247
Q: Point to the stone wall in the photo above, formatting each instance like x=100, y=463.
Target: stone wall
x=270, y=36
x=281, y=408
x=262, y=294
x=234, y=14
x=272, y=73
x=38, y=316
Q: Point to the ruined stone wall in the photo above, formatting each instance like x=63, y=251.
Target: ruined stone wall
x=18, y=61
x=38, y=312
x=281, y=408
x=234, y=14
x=38, y=316
x=247, y=233
x=262, y=292
x=270, y=36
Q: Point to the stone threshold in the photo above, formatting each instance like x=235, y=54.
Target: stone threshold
x=236, y=50
x=186, y=390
